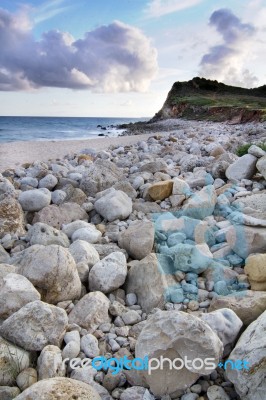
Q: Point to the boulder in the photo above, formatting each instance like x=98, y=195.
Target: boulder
x=250, y=382
x=26, y=378
x=255, y=269
x=63, y=388
x=90, y=311
x=181, y=187
x=138, y=239
x=176, y=335
x=72, y=227
x=35, y=325
x=13, y=360
x=56, y=216
x=35, y=199
x=101, y=175
x=149, y=282
x=44, y=234
x=6, y=269
x=155, y=166
x=50, y=363
x=48, y=182
x=113, y=204
x=244, y=240
x=11, y=217
x=248, y=305
x=161, y=190
x=256, y=151
x=89, y=234
x=261, y=166
x=15, y=292
x=84, y=252
x=109, y=273
x=52, y=270
x=201, y=204
x=243, y=168
x=9, y=392
x=226, y=324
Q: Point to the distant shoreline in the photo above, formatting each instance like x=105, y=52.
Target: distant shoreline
x=14, y=154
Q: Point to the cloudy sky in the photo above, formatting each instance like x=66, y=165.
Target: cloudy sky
x=120, y=57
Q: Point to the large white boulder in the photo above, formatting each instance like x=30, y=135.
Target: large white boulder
x=177, y=335
x=15, y=292
x=35, y=325
x=109, y=273
x=250, y=382
x=113, y=204
x=52, y=270
x=35, y=199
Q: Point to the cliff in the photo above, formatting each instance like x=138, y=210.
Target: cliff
x=204, y=99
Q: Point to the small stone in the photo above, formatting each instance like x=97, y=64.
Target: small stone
x=217, y=393
x=131, y=299
x=131, y=317
x=89, y=346
x=34, y=200
x=26, y=378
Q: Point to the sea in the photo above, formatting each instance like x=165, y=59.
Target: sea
x=13, y=129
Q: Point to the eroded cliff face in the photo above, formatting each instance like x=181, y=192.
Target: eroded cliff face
x=210, y=100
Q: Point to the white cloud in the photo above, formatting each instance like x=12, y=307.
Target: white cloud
x=157, y=8
x=227, y=61
x=113, y=58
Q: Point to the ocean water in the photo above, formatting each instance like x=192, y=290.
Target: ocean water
x=59, y=128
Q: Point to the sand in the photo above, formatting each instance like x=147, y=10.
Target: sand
x=16, y=153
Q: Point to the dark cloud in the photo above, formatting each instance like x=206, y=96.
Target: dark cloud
x=111, y=58
x=226, y=61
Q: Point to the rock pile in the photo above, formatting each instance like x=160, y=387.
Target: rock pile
x=152, y=250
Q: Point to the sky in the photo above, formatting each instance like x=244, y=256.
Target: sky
x=120, y=58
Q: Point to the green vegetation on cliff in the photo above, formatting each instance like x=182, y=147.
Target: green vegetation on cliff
x=201, y=99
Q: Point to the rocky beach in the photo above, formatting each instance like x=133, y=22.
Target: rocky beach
x=148, y=245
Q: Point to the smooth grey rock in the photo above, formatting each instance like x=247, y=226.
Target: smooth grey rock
x=109, y=273
x=226, y=324
x=113, y=204
x=44, y=234
x=174, y=334
x=35, y=199
x=256, y=151
x=84, y=252
x=148, y=281
x=72, y=227
x=138, y=239
x=26, y=378
x=48, y=182
x=52, y=270
x=90, y=311
x=71, y=350
x=201, y=204
x=261, y=166
x=89, y=234
x=243, y=168
x=58, y=196
x=250, y=383
x=89, y=346
x=15, y=292
x=35, y=325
